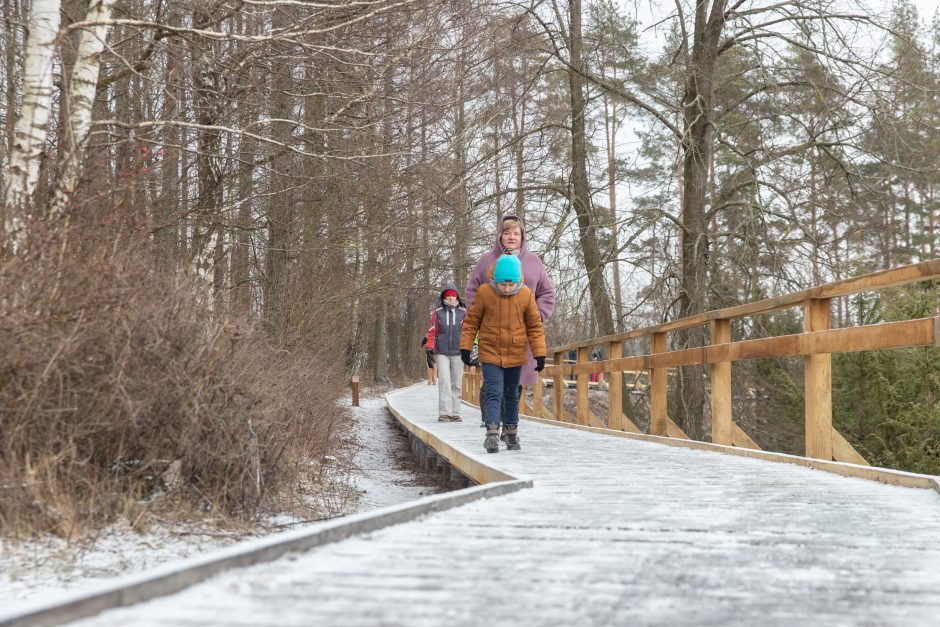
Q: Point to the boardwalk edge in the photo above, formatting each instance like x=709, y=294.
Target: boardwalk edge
x=175, y=577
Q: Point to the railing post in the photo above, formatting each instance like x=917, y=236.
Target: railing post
x=355, y=390
x=523, y=405
x=721, y=386
x=558, y=389
x=537, y=396
x=615, y=389
x=818, y=384
x=583, y=387
x=658, y=388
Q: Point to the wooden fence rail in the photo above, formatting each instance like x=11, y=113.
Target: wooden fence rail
x=815, y=344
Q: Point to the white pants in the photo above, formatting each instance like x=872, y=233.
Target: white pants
x=449, y=379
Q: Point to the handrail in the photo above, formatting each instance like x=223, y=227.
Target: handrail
x=894, y=277
x=815, y=344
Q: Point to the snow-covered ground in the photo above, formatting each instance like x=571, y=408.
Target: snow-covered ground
x=382, y=472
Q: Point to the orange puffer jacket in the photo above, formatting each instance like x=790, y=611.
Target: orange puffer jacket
x=505, y=325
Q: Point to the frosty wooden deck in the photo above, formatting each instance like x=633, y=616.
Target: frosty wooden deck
x=614, y=531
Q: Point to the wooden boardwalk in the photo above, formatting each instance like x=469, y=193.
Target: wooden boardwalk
x=614, y=532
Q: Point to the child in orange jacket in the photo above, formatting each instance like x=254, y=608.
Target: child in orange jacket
x=506, y=317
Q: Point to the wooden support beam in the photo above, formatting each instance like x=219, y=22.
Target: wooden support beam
x=615, y=389
x=741, y=439
x=582, y=388
x=658, y=417
x=818, y=384
x=843, y=451
x=721, y=386
x=558, y=388
x=628, y=425
x=675, y=431
x=355, y=390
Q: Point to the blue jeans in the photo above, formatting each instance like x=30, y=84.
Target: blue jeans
x=501, y=388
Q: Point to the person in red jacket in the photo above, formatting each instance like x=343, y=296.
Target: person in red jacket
x=429, y=355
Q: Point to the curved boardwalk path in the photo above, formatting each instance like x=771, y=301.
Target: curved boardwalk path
x=615, y=531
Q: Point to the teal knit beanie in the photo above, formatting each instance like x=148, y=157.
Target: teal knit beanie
x=508, y=270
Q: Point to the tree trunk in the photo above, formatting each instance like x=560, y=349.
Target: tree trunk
x=698, y=111
x=33, y=121
x=610, y=126
x=82, y=88
x=580, y=188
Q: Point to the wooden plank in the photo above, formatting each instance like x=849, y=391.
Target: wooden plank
x=721, y=386
x=582, y=388
x=658, y=383
x=558, y=387
x=894, y=277
x=818, y=385
x=615, y=389
x=843, y=451
x=741, y=439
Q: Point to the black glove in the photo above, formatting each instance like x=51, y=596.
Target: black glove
x=465, y=356
x=539, y=364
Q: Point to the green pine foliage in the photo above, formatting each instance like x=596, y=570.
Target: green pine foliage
x=886, y=402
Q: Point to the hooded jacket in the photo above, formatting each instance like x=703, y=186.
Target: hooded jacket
x=446, y=322
x=506, y=326
x=533, y=275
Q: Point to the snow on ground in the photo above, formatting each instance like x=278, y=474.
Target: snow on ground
x=382, y=473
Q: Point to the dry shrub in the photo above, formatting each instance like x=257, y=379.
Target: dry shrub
x=119, y=385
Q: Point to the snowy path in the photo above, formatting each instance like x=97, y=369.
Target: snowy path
x=382, y=472
x=615, y=531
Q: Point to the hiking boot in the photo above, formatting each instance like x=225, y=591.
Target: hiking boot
x=491, y=442
x=502, y=434
x=512, y=438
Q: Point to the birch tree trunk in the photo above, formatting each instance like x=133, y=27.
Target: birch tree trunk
x=32, y=124
x=81, y=98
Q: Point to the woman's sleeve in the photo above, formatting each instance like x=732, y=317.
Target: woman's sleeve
x=545, y=294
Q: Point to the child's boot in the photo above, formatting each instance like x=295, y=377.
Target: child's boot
x=491, y=442
x=512, y=438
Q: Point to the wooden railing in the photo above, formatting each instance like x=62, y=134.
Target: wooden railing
x=815, y=344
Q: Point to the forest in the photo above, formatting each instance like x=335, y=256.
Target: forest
x=215, y=212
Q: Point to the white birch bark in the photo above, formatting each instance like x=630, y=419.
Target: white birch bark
x=33, y=122
x=81, y=99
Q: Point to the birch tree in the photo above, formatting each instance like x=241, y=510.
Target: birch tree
x=32, y=123
x=81, y=99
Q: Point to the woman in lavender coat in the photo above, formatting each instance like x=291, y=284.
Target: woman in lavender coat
x=510, y=238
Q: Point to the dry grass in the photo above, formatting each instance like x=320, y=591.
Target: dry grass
x=121, y=389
